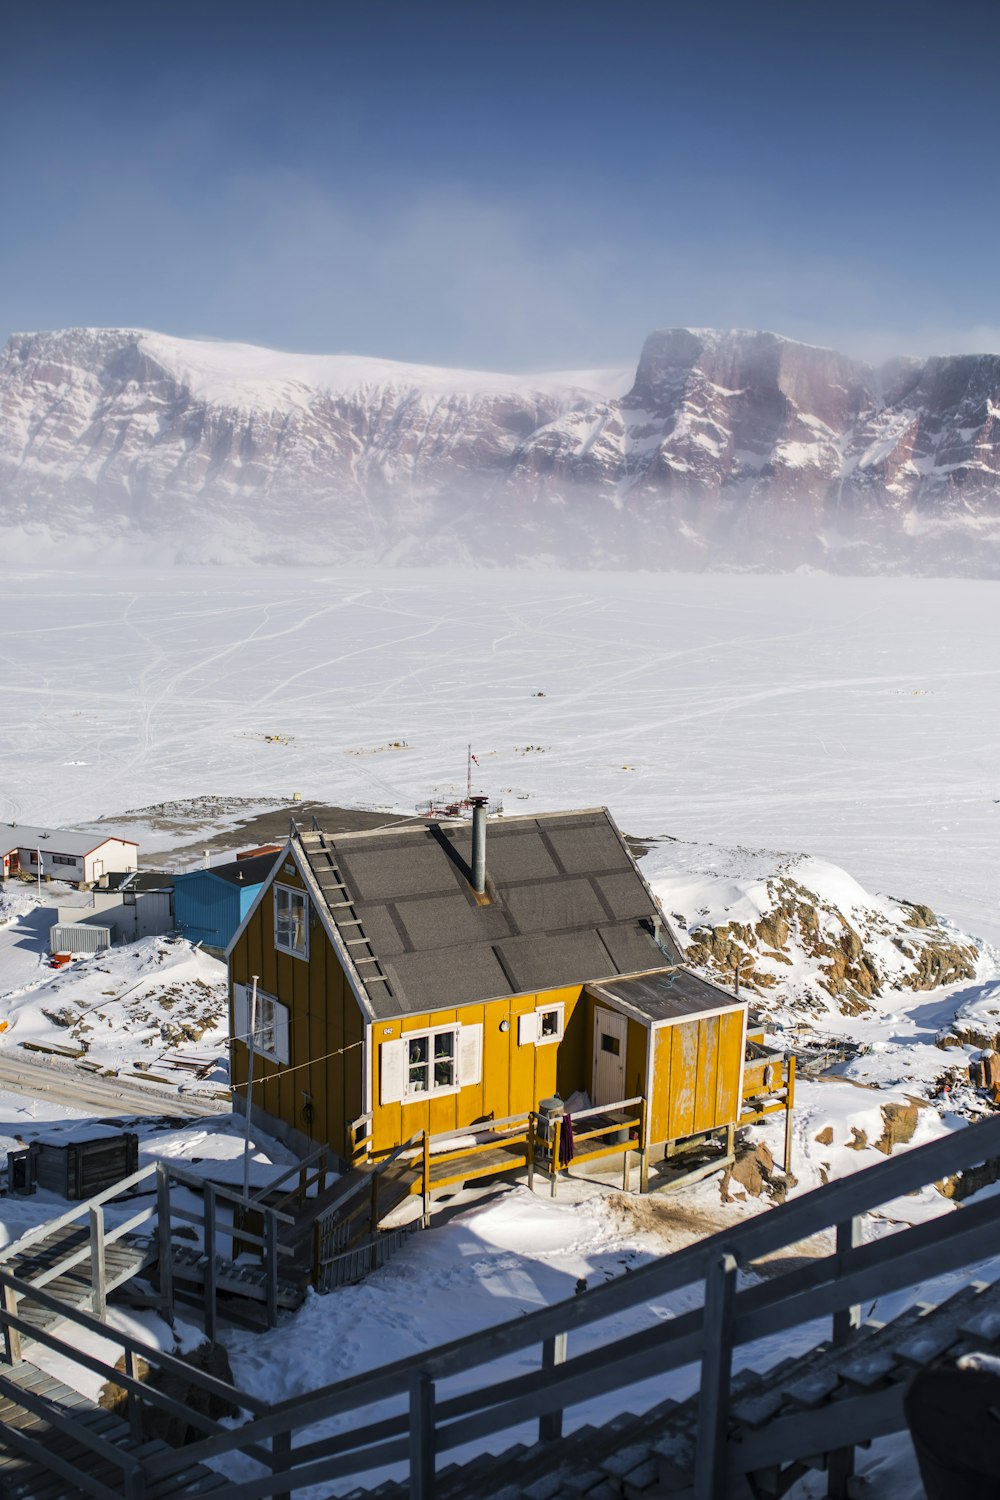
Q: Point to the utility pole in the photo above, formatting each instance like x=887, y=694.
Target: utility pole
x=250, y=1046
x=38, y=856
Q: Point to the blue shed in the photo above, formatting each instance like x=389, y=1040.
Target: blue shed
x=210, y=904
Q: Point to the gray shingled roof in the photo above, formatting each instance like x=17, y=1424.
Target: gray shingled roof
x=53, y=840
x=568, y=906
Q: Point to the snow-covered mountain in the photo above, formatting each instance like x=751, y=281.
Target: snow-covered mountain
x=725, y=449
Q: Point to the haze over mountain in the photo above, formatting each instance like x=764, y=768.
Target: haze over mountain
x=724, y=449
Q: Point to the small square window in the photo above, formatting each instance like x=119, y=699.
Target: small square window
x=549, y=1025
x=610, y=1044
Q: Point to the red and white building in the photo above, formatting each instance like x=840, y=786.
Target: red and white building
x=68, y=854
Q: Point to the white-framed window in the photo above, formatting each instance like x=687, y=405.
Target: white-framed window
x=541, y=1027
x=271, y=1033
x=427, y=1064
x=291, y=921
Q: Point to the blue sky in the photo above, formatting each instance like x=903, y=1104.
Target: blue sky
x=502, y=185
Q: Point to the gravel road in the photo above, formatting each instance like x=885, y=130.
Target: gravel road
x=70, y=1086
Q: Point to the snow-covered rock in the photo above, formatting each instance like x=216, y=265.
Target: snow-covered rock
x=727, y=448
x=807, y=939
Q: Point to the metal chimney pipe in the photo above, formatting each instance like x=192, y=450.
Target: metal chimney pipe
x=479, y=844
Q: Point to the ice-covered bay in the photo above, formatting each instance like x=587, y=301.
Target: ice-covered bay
x=856, y=719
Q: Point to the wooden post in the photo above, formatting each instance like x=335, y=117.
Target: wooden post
x=425, y=1178
x=210, y=1268
x=98, y=1265
x=529, y=1151
x=421, y=1436
x=789, y=1106
x=550, y=1423
x=166, y=1266
x=133, y=1403
x=281, y=1460
x=846, y=1322
x=711, y=1445
x=12, y=1337
x=556, y=1133
x=373, y=1215
x=271, y=1266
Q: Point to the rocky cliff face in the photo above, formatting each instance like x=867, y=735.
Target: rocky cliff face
x=731, y=449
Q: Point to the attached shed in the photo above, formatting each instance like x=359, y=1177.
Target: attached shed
x=73, y=855
x=694, y=1041
x=209, y=905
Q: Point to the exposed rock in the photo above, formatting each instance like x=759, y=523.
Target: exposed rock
x=825, y=1136
x=899, y=1124
x=754, y=1170
x=209, y=1358
x=846, y=947
x=964, y=1184
x=858, y=1141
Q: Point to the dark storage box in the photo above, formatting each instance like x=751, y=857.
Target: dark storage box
x=74, y=1169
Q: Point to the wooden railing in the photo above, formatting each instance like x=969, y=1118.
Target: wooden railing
x=428, y=1424
x=218, y=1201
x=92, y=1213
x=431, y=1420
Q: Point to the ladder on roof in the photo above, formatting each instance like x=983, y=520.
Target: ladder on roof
x=332, y=882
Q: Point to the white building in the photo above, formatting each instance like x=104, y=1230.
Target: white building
x=63, y=854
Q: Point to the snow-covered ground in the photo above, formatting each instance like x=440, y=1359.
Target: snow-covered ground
x=852, y=719
x=145, y=1008
x=853, y=722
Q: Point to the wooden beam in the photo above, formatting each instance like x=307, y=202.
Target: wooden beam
x=421, y=1436
x=716, y=1370
x=208, y=1222
x=98, y=1265
x=550, y=1423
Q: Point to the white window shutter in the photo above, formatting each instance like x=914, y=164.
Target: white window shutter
x=470, y=1056
x=241, y=1012
x=527, y=1029
x=393, y=1062
x=281, y=1042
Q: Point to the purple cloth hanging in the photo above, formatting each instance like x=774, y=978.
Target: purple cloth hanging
x=566, y=1141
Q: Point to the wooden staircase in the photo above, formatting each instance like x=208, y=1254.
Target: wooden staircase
x=796, y=1416
x=57, y=1445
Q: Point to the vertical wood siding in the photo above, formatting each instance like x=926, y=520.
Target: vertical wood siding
x=696, y=1075
x=513, y=1079
x=324, y=1019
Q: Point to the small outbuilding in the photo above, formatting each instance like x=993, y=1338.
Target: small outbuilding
x=132, y=906
x=209, y=905
x=73, y=855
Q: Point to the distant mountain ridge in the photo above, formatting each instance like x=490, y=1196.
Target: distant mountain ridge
x=731, y=449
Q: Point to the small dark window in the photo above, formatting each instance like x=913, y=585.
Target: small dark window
x=610, y=1044
x=550, y=1022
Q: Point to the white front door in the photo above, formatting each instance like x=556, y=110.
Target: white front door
x=610, y=1035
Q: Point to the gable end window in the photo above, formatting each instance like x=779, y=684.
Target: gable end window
x=291, y=921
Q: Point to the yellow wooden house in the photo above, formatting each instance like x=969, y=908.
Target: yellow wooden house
x=429, y=977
